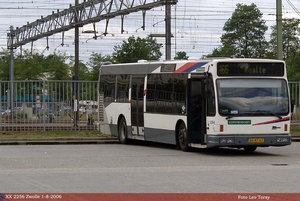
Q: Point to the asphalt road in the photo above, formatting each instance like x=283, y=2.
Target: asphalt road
x=146, y=167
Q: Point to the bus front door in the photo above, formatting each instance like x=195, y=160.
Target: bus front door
x=137, y=106
x=196, y=110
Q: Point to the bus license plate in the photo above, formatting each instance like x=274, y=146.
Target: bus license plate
x=256, y=140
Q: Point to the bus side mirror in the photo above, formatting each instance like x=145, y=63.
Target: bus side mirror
x=208, y=87
x=292, y=106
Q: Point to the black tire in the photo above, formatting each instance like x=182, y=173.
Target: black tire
x=122, y=131
x=182, y=137
x=250, y=148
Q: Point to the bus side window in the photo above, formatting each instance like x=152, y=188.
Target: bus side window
x=179, y=90
x=122, y=88
x=211, y=109
x=107, y=85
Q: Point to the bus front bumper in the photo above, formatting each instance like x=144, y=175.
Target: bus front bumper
x=248, y=140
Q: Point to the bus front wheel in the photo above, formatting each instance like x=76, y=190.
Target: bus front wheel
x=182, y=137
x=122, y=131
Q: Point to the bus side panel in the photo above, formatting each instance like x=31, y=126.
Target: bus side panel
x=112, y=114
x=104, y=126
x=161, y=128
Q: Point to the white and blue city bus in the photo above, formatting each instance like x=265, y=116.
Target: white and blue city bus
x=228, y=102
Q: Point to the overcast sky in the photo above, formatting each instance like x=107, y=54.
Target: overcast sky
x=196, y=24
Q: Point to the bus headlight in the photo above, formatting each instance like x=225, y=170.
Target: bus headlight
x=283, y=139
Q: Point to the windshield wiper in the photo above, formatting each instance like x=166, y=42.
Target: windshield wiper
x=236, y=115
x=268, y=112
x=255, y=113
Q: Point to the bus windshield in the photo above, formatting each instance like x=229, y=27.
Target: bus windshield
x=248, y=97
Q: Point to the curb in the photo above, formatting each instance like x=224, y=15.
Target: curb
x=51, y=141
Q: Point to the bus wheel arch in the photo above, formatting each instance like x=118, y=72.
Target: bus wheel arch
x=182, y=136
x=122, y=130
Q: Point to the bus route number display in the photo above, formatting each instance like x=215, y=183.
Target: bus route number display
x=250, y=69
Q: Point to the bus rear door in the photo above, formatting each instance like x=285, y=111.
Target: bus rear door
x=137, y=103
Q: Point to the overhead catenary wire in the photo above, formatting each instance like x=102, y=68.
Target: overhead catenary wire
x=209, y=19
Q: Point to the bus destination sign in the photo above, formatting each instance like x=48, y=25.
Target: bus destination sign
x=250, y=69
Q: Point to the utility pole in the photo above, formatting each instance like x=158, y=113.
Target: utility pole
x=279, y=28
x=76, y=69
x=168, y=30
x=11, y=88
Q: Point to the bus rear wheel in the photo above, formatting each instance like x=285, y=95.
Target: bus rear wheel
x=182, y=137
x=122, y=131
x=250, y=148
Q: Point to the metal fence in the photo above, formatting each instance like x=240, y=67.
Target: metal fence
x=48, y=105
x=295, y=97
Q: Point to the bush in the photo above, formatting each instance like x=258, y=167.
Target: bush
x=20, y=115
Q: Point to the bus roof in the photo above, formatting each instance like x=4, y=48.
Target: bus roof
x=174, y=66
x=146, y=67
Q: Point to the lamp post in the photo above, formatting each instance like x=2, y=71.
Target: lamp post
x=76, y=66
x=11, y=88
x=279, y=28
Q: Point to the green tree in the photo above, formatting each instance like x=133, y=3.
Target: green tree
x=244, y=33
x=55, y=67
x=223, y=51
x=28, y=66
x=95, y=62
x=4, y=65
x=181, y=55
x=290, y=39
x=293, y=68
x=83, y=72
x=138, y=48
